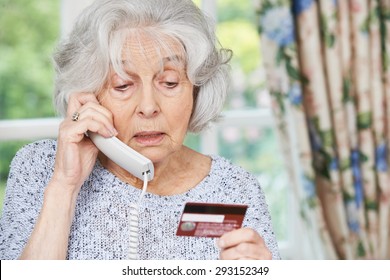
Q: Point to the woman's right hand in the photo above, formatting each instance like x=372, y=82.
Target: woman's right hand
x=75, y=158
x=76, y=154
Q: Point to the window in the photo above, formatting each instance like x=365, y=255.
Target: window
x=29, y=30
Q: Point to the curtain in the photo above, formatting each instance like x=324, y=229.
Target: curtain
x=328, y=74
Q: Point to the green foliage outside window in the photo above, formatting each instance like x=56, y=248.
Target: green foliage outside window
x=28, y=34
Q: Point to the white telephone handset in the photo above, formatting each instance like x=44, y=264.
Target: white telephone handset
x=124, y=156
x=136, y=164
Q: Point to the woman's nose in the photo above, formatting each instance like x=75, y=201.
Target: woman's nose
x=148, y=106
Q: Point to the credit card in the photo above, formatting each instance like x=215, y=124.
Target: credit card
x=210, y=219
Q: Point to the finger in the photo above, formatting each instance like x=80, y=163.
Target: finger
x=235, y=237
x=74, y=132
x=78, y=99
x=88, y=107
x=246, y=251
x=94, y=112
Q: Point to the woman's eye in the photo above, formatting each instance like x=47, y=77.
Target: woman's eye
x=122, y=87
x=170, y=84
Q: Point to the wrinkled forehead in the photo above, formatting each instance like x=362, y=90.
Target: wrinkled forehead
x=151, y=48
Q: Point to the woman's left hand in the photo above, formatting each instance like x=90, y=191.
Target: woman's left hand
x=243, y=244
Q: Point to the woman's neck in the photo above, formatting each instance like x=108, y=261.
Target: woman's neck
x=177, y=174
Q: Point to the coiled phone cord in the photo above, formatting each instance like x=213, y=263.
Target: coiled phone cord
x=134, y=222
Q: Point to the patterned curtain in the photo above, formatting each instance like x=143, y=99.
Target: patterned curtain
x=328, y=72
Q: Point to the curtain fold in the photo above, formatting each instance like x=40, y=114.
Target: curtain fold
x=328, y=75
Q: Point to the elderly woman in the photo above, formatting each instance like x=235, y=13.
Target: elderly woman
x=146, y=72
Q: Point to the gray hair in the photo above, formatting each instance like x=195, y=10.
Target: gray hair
x=83, y=60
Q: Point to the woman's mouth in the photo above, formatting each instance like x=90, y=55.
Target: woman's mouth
x=149, y=138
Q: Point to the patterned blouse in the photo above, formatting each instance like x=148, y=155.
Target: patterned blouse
x=100, y=228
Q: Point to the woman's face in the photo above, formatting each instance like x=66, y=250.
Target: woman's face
x=152, y=108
